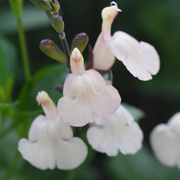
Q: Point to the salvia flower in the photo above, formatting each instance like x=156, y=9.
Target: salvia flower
x=86, y=96
x=165, y=141
x=51, y=142
x=118, y=133
x=140, y=58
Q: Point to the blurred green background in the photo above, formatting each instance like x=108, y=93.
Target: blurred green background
x=154, y=21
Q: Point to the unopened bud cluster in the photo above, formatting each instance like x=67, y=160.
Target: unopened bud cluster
x=51, y=8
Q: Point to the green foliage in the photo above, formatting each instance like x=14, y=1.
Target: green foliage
x=7, y=60
x=46, y=79
x=139, y=166
x=137, y=113
x=153, y=21
x=7, y=69
x=33, y=18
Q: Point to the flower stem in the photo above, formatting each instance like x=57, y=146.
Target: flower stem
x=66, y=49
x=11, y=167
x=70, y=175
x=23, y=48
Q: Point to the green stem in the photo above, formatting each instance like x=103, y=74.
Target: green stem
x=23, y=48
x=11, y=167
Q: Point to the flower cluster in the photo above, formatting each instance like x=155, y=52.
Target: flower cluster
x=89, y=99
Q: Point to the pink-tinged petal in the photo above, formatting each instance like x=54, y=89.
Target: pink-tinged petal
x=37, y=153
x=89, y=103
x=74, y=112
x=105, y=103
x=97, y=80
x=77, y=62
x=120, y=132
x=70, y=154
x=69, y=89
x=141, y=59
x=103, y=58
x=165, y=145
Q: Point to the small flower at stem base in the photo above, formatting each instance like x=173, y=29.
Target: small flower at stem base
x=51, y=142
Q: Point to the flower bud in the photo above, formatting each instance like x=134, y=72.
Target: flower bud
x=80, y=41
x=51, y=49
x=58, y=23
x=43, y=4
x=56, y=7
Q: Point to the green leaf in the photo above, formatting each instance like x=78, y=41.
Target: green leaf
x=17, y=7
x=7, y=61
x=4, y=64
x=46, y=79
x=32, y=18
x=136, y=112
x=141, y=166
x=7, y=105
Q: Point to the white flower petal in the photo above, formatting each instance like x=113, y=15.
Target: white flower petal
x=34, y=129
x=70, y=154
x=103, y=58
x=51, y=150
x=102, y=141
x=74, y=112
x=174, y=123
x=64, y=130
x=120, y=132
x=51, y=141
x=37, y=153
x=165, y=145
x=141, y=59
x=69, y=86
x=96, y=79
x=90, y=101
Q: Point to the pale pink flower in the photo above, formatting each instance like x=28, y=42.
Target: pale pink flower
x=165, y=141
x=51, y=142
x=86, y=96
x=140, y=58
x=118, y=133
